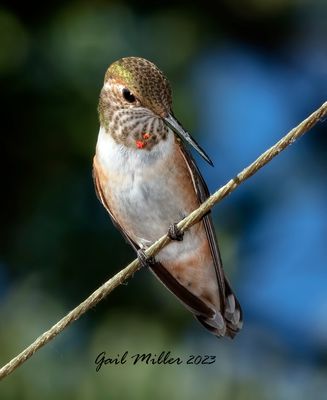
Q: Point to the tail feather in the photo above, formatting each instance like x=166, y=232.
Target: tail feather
x=233, y=312
x=232, y=316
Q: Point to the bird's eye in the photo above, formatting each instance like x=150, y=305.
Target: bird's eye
x=128, y=96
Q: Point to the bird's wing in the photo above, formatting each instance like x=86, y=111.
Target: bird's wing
x=202, y=192
x=229, y=304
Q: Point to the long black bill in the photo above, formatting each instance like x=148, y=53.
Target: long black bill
x=173, y=124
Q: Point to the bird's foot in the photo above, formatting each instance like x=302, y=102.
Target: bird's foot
x=145, y=260
x=175, y=233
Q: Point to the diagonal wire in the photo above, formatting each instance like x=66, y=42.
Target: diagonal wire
x=185, y=224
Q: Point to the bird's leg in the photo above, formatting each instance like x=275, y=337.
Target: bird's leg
x=145, y=260
x=175, y=233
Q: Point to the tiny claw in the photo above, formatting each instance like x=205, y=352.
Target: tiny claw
x=175, y=233
x=145, y=260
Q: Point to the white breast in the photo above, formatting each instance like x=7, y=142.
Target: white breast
x=142, y=186
x=125, y=160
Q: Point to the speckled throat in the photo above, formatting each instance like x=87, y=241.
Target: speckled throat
x=136, y=127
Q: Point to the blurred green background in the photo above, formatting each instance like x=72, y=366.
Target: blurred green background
x=243, y=73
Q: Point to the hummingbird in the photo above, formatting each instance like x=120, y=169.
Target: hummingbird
x=148, y=181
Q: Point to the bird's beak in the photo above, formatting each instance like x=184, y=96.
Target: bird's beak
x=173, y=124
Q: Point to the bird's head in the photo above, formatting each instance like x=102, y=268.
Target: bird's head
x=135, y=105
